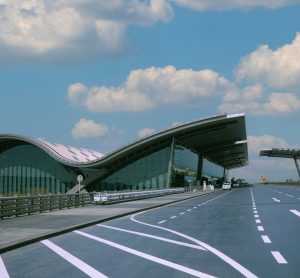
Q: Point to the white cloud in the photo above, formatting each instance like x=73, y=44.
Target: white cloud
x=277, y=69
x=88, y=129
x=148, y=88
x=203, y=5
x=73, y=29
x=146, y=132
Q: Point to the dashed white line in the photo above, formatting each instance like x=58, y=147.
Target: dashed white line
x=266, y=239
x=278, y=257
x=289, y=195
x=257, y=221
x=162, y=221
x=188, y=210
x=256, y=215
x=88, y=270
x=260, y=228
x=255, y=211
x=146, y=256
x=3, y=271
x=172, y=217
x=194, y=207
x=296, y=212
x=182, y=213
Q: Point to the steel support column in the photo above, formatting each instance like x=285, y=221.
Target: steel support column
x=297, y=166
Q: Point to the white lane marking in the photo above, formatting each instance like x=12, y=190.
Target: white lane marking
x=182, y=213
x=256, y=215
x=188, y=210
x=260, y=228
x=162, y=221
x=199, y=205
x=194, y=207
x=154, y=237
x=278, y=257
x=255, y=211
x=289, y=195
x=172, y=217
x=3, y=271
x=88, y=270
x=266, y=239
x=146, y=256
x=296, y=212
x=276, y=200
x=213, y=250
x=257, y=221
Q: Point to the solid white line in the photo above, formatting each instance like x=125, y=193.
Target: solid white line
x=88, y=270
x=260, y=228
x=172, y=217
x=266, y=239
x=154, y=237
x=278, y=257
x=3, y=271
x=146, y=256
x=257, y=221
x=296, y=212
x=216, y=252
x=162, y=221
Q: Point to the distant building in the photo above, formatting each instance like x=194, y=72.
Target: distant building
x=180, y=156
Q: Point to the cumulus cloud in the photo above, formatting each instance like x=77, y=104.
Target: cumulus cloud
x=202, y=5
x=278, y=69
x=73, y=29
x=88, y=129
x=276, y=78
x=146, y=132
x=148, y=88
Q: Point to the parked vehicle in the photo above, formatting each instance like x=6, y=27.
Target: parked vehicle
x=226, y=186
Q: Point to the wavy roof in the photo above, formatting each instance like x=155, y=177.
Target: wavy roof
x=221, y=139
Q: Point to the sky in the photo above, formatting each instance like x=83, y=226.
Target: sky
x=100, y=74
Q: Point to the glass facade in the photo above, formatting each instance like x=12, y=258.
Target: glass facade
x=149, y=172
x=211, y=169
x=185, y=166
x=25, y=169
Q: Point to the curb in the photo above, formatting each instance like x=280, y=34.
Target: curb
x=48, y=235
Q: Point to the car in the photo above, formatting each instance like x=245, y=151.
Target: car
x=226, y=186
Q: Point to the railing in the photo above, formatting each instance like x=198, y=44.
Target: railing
x=20, y=206
x=112, y=197
x=17, y=206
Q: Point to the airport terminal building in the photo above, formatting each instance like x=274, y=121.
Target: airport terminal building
x=188, y=154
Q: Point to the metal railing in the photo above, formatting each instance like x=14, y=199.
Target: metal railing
x=26, y=205
x=18, y=206
x=112, y=197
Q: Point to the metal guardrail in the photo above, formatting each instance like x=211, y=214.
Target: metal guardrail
x=26, y=205
x=20, y=206
x=106, y=198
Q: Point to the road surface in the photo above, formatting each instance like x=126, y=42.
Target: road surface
x=244, y=232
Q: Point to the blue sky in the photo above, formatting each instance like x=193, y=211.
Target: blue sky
x=98, y=74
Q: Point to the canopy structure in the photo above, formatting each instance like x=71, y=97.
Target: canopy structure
x=284, y=153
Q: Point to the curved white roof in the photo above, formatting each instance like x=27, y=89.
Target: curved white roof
x=73, y=154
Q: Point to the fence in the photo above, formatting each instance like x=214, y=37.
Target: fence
x=19, y=206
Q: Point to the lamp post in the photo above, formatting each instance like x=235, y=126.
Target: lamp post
x=79, y=179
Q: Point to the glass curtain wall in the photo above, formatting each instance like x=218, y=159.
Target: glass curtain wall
x=25, y=169
x=149, y=172
x=213, y=173
x=185, y=166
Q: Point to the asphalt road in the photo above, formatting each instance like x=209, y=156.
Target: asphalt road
x=245, y=232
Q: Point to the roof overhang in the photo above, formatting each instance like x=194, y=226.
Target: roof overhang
x=285, y=153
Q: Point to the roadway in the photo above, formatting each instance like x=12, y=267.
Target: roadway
x=245, y=232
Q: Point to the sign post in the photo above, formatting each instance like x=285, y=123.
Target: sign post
x=79, y=179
